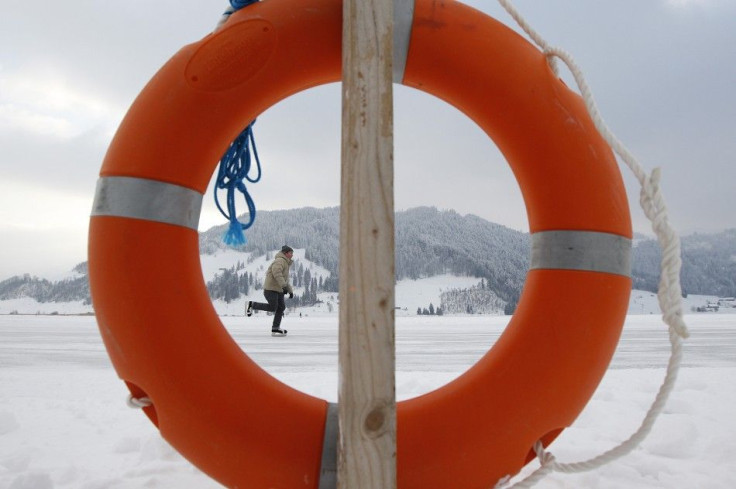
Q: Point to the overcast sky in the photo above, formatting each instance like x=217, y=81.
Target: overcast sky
x=663, y=73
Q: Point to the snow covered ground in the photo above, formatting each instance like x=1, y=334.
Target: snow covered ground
x=64, y=422
x=410, y=294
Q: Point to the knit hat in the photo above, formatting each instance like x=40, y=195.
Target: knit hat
x=286, y=249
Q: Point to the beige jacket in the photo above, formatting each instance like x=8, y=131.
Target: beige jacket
x=277, y=275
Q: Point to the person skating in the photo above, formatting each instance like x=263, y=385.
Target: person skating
x=275, y=287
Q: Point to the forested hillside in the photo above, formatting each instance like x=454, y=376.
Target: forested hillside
x=708, y=264
x=315, y=230
x=429, y=242
x=42, y=290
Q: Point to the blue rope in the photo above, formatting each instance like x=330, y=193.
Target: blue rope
x=234, y=168
x=238, y=4
x=235, y=5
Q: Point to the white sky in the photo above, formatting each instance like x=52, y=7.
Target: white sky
x=662, y=72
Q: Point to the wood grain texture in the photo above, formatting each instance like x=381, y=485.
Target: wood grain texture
x=367, y=401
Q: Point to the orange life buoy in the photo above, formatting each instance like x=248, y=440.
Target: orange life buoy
x=210, y=400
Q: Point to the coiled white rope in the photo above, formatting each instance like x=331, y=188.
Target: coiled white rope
x=670, y=291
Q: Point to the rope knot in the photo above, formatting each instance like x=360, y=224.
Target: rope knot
x=670, y=289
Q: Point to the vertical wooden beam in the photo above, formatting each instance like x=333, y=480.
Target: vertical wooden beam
x=367, y=398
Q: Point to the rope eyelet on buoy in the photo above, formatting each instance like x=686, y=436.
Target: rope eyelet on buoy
x=212, y=402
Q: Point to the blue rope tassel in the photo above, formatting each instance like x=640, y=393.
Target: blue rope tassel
x=238, y=4
x=235, y=5
x=234, y=168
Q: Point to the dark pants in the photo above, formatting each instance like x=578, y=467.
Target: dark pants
x=275, y=305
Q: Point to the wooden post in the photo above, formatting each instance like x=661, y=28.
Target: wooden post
x=367, y=397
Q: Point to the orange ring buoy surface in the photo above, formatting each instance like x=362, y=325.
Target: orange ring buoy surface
x=210, y=400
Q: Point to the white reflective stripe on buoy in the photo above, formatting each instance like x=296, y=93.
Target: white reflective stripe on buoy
x=151, y=200
x=581, y=250
x=403, y=20
x=328, y=470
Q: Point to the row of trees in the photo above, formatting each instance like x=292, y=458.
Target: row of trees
x=231, y=284
x=42, y=290
x=475, y=300
x=431, y=311
x=708, y=264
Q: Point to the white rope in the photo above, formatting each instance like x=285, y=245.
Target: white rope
x=138, y=402
x=670, y=291
x=533, y=34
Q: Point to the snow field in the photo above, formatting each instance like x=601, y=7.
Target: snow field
x=64, y=422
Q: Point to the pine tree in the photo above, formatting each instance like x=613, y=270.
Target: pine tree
x=307, y=277
x=313, y=288
x=331, y=284
x=244, y=285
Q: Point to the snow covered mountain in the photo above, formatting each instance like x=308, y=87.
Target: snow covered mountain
x=445, y=263
x=429, y=242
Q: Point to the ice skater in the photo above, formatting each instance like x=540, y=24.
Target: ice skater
x=275, y=288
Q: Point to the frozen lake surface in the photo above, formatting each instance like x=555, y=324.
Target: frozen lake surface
x=64, y=423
